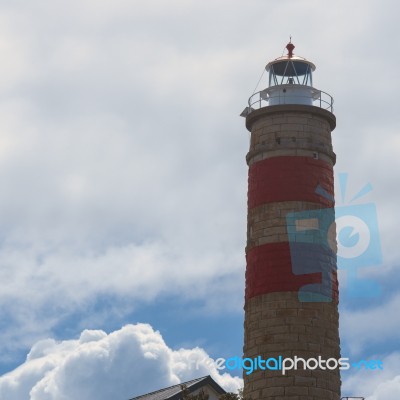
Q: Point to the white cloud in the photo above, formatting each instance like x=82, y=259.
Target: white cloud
x=376, y=384
x=128, y=362
x=388, y=390
x=66, y=282
x=362, y=329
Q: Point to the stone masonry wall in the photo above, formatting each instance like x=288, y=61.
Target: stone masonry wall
x=291, y=171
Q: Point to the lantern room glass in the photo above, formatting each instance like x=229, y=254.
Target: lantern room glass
x=290, y=72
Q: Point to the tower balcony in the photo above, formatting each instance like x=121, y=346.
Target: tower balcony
x=290, y=94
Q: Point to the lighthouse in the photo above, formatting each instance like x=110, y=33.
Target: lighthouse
x=291, y=327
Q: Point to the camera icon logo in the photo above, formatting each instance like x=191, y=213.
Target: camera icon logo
x=312, y=244
x=356, y=245
x=357, y=236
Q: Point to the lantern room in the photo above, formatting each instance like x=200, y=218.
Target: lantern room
x=290, y=81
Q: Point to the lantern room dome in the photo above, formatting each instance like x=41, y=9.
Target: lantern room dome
x=289, y=66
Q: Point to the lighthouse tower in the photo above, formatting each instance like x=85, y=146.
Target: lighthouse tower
x=291, y=295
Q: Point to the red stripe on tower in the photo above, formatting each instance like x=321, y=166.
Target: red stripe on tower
x=290, y=179
x=269, y=269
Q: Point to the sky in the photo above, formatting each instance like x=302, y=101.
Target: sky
x=123, y=176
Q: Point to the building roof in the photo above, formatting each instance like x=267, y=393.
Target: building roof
x=174, y=392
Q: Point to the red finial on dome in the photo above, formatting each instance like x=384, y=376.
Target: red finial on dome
x=290, y=47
